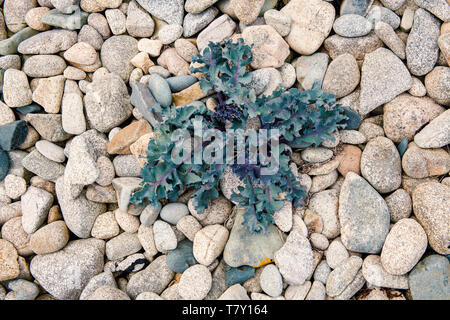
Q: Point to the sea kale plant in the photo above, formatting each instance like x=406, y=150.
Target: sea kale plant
x=301, y=118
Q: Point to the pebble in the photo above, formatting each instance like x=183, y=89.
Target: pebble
x=430, y=204
x=154, y=278
x=379, y=13
x=315, y=155
x=271, y=281
x=50, y=238
x=80, y=213
x=209, y=243
x=336, y=254
x=235, y=292
x=428, y=280
x=23, y=289
x=171, y=11
x=247, y=11
x=380, y=165
x=325, y=204
x=421, y=163
x=342, y=276
x=160, y=90
x=173, y=212
x=172, y=61
x=376, y=275
x=41, y=166
x=195, y=283
x=126, y=221
x=170, y=33
x=399, y=204
x=48, y=42
x=35, y=205
x=165, y=238
x=181, y=258
x=150, y=214
x=436, y=133
x=108, y=293
x=437, y=7
x=342, y=76
x=105, y=226
x=383, y=77
x=186, y=49
x=295, y=259
x=41, y=66
x=387, y=34
x=311, y=22
x=404, y=246
x=189, y=226
x=216, y=213
x=73, y=119
x=310, y=69
x=147, y=239
x=444, y=45
x=16, y=90
x=362, y=208
x=127, y=166
x=73, y=21
x=422, y=50
x=109, y=91
x=139, y=23
x=9, y=266
x=406, y=114
x=245, y=248
x=13, y=232
x=180, y=83
x=64, y=273
x=317, y=291
x=195, y=22
x=116, y=53
x=122, y=246
x=319, y=241
x=125, y=186
x=81, y=168
x=116, y=20
x=221, y=28
x=352, y=25
x=322, y=182
x=359, y=47
x=152, y=47
x=15, y=186
x=436, y=84
x=91, y=36
x=49, y=92
x=355, y=7
x=322, y=272
x=33, y=18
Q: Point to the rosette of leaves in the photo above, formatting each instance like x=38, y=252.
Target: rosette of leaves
x=302, y=118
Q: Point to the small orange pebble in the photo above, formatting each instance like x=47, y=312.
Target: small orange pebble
x=263, y=262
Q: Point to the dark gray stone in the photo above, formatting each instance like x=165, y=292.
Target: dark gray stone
x=179, y=83
x=142, y=99
x=13, y=134
x=429, y=279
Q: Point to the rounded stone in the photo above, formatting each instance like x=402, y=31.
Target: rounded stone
x=405, y=244
x=195, y=283
x=51, y=151
x=399, y=204
x=352, y=25
x=271, y=281
x=437, y=85
x=342, y=76
x=431, y=203
x=50, y=238
x=209, y=243
x=380, y=165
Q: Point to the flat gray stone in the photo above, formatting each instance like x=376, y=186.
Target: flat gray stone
x=363, y=214
x=245, y=248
